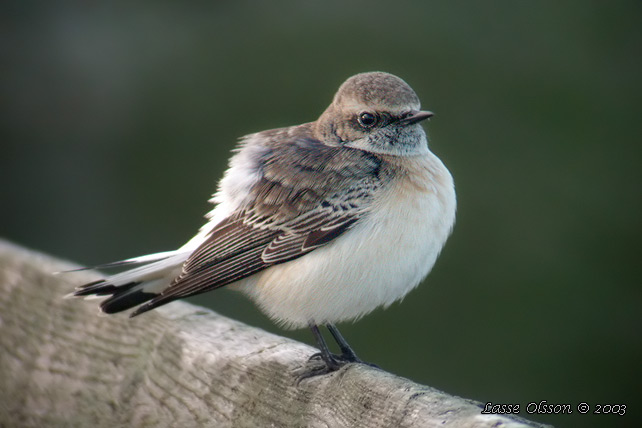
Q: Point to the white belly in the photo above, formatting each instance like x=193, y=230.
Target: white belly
x=374, y=264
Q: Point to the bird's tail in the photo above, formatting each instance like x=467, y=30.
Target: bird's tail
x=134, y=286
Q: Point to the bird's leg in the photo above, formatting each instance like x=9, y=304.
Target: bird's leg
x=347, y=354
x=330, y=361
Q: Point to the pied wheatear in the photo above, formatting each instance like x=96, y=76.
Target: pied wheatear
x=318, y=223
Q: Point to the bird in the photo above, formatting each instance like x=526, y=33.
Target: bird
x=318, y=223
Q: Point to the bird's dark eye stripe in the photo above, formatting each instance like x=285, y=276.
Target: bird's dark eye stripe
x=400, y=117
x=386, y=118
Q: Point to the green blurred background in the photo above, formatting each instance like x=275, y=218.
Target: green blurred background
x=117, y=120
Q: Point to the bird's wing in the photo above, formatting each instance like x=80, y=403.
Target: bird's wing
x=285, y=218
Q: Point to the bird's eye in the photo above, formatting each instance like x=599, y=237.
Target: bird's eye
x=367, y=120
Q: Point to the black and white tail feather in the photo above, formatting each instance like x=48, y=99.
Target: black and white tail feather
x=135, y=286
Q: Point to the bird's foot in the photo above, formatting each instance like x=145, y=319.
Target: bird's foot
x=325, y=362
x=318, y=364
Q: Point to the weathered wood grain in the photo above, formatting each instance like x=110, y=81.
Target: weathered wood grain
x=62, y=364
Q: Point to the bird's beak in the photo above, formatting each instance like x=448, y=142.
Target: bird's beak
x=416, y=116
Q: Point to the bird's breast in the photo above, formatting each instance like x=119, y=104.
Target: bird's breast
x=385, y=255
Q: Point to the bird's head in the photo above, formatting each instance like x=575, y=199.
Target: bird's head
x=376, y=112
